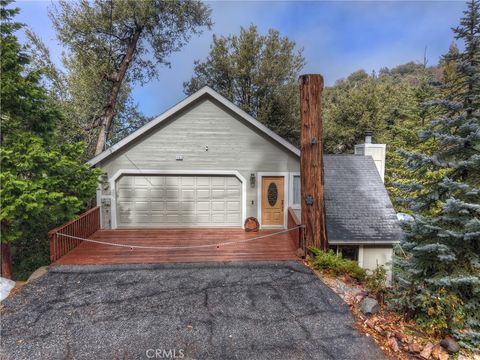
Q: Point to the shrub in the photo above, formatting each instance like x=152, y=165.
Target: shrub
x=330, y=262
x=375, y=282
x=436, y=312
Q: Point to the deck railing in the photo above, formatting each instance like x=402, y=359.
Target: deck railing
x=83, y=226
x=296, y=235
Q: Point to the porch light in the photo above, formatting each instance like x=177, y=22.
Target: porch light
x=253, y=178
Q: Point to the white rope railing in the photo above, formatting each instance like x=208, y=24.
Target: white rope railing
x=223, y=243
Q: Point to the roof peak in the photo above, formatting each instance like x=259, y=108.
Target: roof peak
x=206, y=90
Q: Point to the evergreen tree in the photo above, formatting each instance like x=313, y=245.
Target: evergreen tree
x=259, y=74
x=43, y=184
x=443, y=242
x=403, y=135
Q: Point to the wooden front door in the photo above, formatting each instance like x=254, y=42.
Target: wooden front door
x=273, y=198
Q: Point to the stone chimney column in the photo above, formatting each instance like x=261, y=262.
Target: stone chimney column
x=376, y=151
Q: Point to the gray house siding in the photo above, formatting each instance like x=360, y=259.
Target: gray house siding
x=207, y=136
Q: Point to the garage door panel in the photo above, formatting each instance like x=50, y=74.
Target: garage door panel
x=188, y=219
x=218, y=181
x=158, y=217
x=158, y=205
x=142, y=206
x=126, y=193
x=232, y=181
x=218, y=218
x=234, y=194
x=232, y=218
x=203, y=218
x=187, y=206
x=203, y=181
x=173, y=205
x=203, y=194
x=187, y=181
x=141, y=181
x=157, y=193
x=178, y=201
x=172, y=194
x=218, y=194
x=141, y=218
x=125, y=206
x=172, y=219
x=187, y=194
x=172, y=180
x=218, y=205
x=141, y=193
x=157, y=181
x=203, y=206
x=233, y=206
x=125, y=181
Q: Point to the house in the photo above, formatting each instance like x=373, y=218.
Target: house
x=207, y=163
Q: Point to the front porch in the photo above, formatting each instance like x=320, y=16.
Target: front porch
x=187, y=241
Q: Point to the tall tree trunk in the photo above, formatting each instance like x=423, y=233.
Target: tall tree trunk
x=109, y=112
x=6, y=261
x=311, y=161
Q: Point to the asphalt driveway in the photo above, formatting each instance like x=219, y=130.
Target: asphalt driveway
x=275, y=310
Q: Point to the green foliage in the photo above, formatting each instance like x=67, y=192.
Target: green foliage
x=436, y=312
x=391, y=106
x=443, y=243
x=43, y=183
x=259, y=74
x=42, y=186
x=335, y=264
x=375, y=282
x=23, y=99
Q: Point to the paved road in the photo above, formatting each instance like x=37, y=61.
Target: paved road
x=277, y=310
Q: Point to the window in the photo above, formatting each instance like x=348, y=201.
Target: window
x=348, y=252
x=296, y=190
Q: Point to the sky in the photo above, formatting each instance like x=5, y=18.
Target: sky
x=337, y=37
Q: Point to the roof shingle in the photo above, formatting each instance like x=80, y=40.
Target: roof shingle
x=358, y=207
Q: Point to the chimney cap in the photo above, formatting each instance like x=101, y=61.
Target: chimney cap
x=368, y=137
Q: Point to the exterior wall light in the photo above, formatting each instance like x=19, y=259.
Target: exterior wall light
x=253, y=179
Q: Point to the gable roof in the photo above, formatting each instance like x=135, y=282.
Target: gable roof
x=205, y=91
x=357, y=205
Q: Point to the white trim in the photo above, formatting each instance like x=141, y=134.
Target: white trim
x=181, y=105
x=356, y=242
x=360, y=256
x=121, y=172
x=293, y=206
x=99, y=204
x=285, y=175
x=99, y=196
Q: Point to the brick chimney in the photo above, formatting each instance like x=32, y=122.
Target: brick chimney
x=376, y=151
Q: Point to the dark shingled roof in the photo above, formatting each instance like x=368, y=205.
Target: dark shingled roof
x=357, y=204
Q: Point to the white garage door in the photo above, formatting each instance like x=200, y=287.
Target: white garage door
x=178, y=201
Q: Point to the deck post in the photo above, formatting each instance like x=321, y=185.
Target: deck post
x=311, y=161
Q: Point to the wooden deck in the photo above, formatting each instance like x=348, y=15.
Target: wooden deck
x=277, y=247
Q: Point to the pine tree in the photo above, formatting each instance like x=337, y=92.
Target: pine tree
x=258, y=73
x=43, y=184
x=443, y=242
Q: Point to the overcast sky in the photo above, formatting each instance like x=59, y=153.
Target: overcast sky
x=338, y=37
